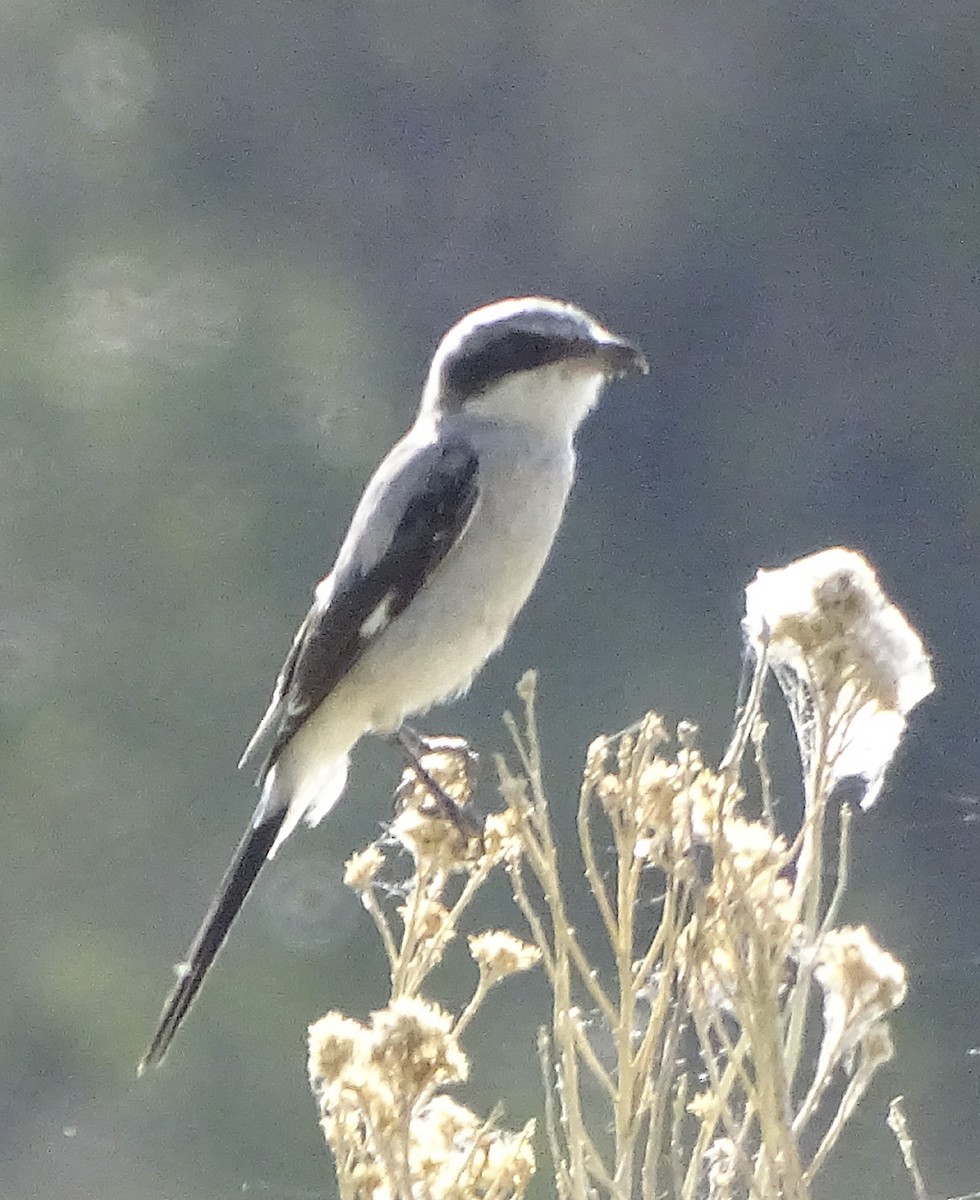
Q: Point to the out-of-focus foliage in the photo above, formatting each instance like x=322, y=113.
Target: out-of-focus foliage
x=230, y=235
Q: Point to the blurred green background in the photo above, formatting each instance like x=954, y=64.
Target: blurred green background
x=230, y=236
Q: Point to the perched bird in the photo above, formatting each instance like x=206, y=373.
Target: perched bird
x=443, y=550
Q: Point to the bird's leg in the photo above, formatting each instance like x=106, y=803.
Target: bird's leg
x=415, y=747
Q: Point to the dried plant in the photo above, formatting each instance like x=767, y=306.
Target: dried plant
x=713, y=1029
x=380, y=1087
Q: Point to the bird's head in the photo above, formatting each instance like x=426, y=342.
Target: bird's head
x=531, y=360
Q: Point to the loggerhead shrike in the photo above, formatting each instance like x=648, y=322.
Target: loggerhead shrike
x=443, y=550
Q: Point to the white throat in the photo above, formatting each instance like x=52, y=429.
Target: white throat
x=555, y=398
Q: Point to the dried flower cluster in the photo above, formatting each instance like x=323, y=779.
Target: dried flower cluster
x=380, y=1086
x=392, y=1132
x=686, y=1055
x=851, y=666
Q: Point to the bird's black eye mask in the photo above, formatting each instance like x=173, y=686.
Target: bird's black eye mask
x=475, y=367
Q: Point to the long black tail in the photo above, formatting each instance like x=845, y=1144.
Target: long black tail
x=252, y=852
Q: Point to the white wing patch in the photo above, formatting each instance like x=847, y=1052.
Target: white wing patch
x=323, y=592
x=378, y=619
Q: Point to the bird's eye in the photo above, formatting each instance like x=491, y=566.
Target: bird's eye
x=516, y=350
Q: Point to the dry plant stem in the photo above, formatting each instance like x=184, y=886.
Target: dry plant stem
x=550, y=1116
x=821, y=1080
x=584, y=1048
x=898, y=1124
x=663, y=948
x=817, y=790
x=659, y=1088
x=808, y=887
x=760, y=728
x=677, y=1142
x=779, y=1157
x=765, y=1095
x=843, y=864
x=592, y=873
x=344, y=1172
x=755, y=999
x=711, y=1030
x=476, y=1143
x=383, y=1145
x=530, y=913
x=573, y=1120
x=722, y=1113
x=642, y=1090
x=856, y=1087
x=807, y=891
x=635, y=1103
x=759, y=1106
x=469, y=1012
x=733, y=1074
x=370, y=902
x=541, y=855
x=414, y=960
x=629, y=866
x=731, y=763
x=571, y=1041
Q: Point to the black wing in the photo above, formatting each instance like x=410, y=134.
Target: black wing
x=364, y=600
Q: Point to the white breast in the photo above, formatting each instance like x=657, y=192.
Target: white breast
x=462, y=616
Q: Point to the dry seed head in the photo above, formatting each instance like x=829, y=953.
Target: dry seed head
x=333, y=1042
x=861, y=984
x=448, y=1122
x=678, y=803
x=430, y=921
x=709, y=798
x=436, y=844
x=749, y=912
x=721, y=1161
x=687, y=735
x=454, y=1157
x=595, y=760
x=433, y=840
x=507, y=1163
x=498, y=954
x=351, y=1090
x=657, y=789
x=527, y=685
x=746, y=878
x=831, y=632
x=631, y=753
x=361, y=868
x=877, y=1047
x=372, y=1083
x=449, y=762
x=751, y=851
x=413, y=1047
x=708, y=966
x=442, y=1137
x=368, y=1177
x=502, y=836
x=703, y=1106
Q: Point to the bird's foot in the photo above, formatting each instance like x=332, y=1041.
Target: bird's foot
x=452, y=759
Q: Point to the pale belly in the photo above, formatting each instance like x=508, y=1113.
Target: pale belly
x=464, y=614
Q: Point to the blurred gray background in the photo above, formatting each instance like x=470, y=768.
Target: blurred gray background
x=230, y=236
